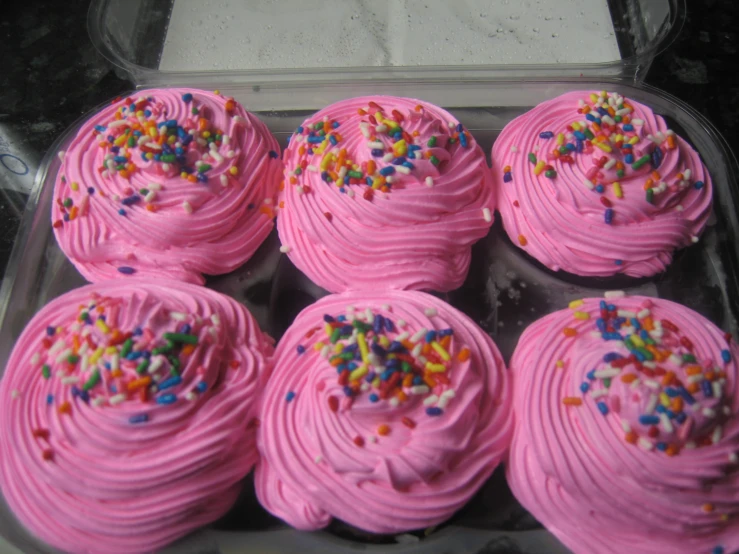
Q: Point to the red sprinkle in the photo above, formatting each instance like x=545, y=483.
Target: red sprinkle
x=605, y=202
x=333, y=403
x=408, y=422
x=368, y=194
x=667, y=324
x=359, y=441
x=48, y=455
x=344, y=377
x=398, y=116
x=328, y=215
x=41, y=434
x=685, y=341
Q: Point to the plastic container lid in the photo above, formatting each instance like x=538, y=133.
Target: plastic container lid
x=169, y=42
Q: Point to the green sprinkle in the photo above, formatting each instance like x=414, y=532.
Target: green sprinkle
x=202, y=168
x=120, y=167
x=68, y=203
x=143, y=366
x=168, y=158
x=127, y=347
x=640, y=162
x=194, y=111
x=563, y=150
x=617, y=119
x=588, y=134
x=532, y=158
x=451, y=140
x=607, y=383
x=84, y=316
x=73, y=359
x=93, y=380
x=131, y=142
x=432, y=141
x=434, y=160
x=650, y=196
x=181, y=337
x=688, y=358
x=361, y=326
x=175, y=362
x=46, y=371
x=620, y=173
x=143, y=192
x=174, y=372
x=298, y=170
x=550, y=173
x=355, y=174
x=318, y=125
x=335, y=335
x=646, y=353
x=405, y=366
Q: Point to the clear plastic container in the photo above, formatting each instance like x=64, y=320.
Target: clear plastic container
x=263, y=41
x=505, y=291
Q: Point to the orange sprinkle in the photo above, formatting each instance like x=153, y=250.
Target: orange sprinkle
x=65, y=408
x=667, y=378
x=430, y=381
x=572, y=401
x=710, y=376
x=73, y=213
x=138, y=383
x=507, y=169
x=266, y=210
x=188, y=349
x=371, y=167
x=625, y=119
x=708, y=508
x=648, y=184
x=656, y=176
x=611, y=111
x=569, y=332
x=202, y=124
x=116, y=374
x=301, y=150
x=522, y=240
x=464, y=355
x=418, y=107
x=631, y=437
x=648, y=323
x=426, y=349
x=671, y=142
x=415, y=133
x=628, y=378
x=123, y=173
x=693, y=388
x=693, y=370
x=676, y=404
x=383, y=430
x=293, y=180
x=281, y=204
x=151, y=207
x=360, y=111
x=192, y=178
x=445, y=342
x=672, y=449
x=401, y=396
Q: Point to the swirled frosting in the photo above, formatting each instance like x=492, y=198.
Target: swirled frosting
x=626, y=434
x=384, y=189
x=596, y=184
x=171, y=183
x=386, y=410
x=125, y=414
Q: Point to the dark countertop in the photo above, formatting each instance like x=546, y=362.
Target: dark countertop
x=52, y=75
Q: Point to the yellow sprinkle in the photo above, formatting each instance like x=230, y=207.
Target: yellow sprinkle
x=328, y=329
x=183, y=175
x=216, y=91
x=440, y=350
x=575, y=125
x=603, y=94
x=206, y=134
x=560, y=364
x=576, y=304
x=399, y=148
x=102, y=326
x=338, y=347
x=111, y=350
x=96, y=355
x=327, y=159
x=378, y=116
x=120, y=140
x=560, y=139
x=363, y=347
x=435, y=368
x=581, y=315
x=636, y=340
x=593, y=97
x=172, y=139
x=318, y=346
x=153, y=132
x=321, y=148
x=634, y=140
x=603, y=146
x=539, y=167
x=60, y=329
x=376, y=383
x=358, y=373
x=74, y=185
x=664, y=399
x=384, y=341
x=617, y=190
x=233, y=170
x=618, y=138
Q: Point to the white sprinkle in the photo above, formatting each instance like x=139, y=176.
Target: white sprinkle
x=443, y=402
x=285, y=249
x=154, y=186
x=325, y=351
x=117, y=399
x=652, y=404
x=419, y=389
x=36, y=358
x=589, y=184
x=651, y=384
x=402, y=336
x=143, y=139
x=118, y=123
x=421, y=360
x=187, y=207
x=312, y=168
x=695, y=378
x=70, y=380
x=726, y=410
x=626, y=426
x=514, y=149
x=394, y=402
x=364, y=387
x=708, y=412
x=224, y=180
x=401, y=323
x=645, y=444
x=318, y=459
x=178, y=316
x=693, y=239
x=449, y=393
x=607, y=373
x=225, y=139
x=429, y=181
x=390, y=179
x=61, y=154
x=386, y=307
x=238, y=119
x=369, y=316
x=64, y=355
x=716, y=435
x=165, y=167
x=430, y=312
x=637, y=122
x=83, y=363
x=598, y=393
x=377, y=145
x=716, y=389
x=429, y=400
x=402, y=169
x=608, y=119
x=614, y=294
x=388, y=157
x=487, y=215
x=676, y=360
x=650, y=365
x=610, y=163
x=342, y=172
x=60, y=374
x=364, y=128
x=623, y=111
x=418, y=335
x=666, y=424
x=679, y=208
x=213, y=332
x=98, y=401
x=190, y=396
x=596, y=334
x=350, y=193
x=733, y=458
x=644, y=313
x=373, y=439
x=417, y=350
x=690, y=445
x=381, y=128
x=215, y=320
x=156, y=363
x=230, y=154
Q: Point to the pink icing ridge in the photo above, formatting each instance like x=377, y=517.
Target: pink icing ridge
x=563, y=222
x=121, y=487
x=312, y=470
x=571, y=465
x=226, y=225
x=412, y=237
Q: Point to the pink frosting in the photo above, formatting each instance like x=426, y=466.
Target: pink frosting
x=390, y=457
x=647, y=465
x=76, y=469
x=413, y=233
x=562, y=220
x=151, y=220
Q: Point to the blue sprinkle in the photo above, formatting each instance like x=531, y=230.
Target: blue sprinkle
x=120, y=159
x=434, y=411
x=629, y=158
x=446, y=332
x=131, y=200
x=378, y=324
x=628, y=127
x=396, y=347
x=51, y=331
x=656, y=158
x=116, y=149
x=332, y=140
x=584, y=386
x=602, y=407
x=602, y=111
x=571, y=147
x=250, y=206
x=547, y=134
x=289, y=396
x=409, y=165
x=601, y=324
x=111, y=138
x=187, y=97
x=681, y=417
x=660, y=409
x=342, y=190
x=463, y=140
x=417, y=380
x=369, y=181
x=377, y=152
x=627, y=147
x=335, y=124
x=120, y=212
x=707, y=389
x=273, y=154
x=726, y=356
x=459, y=128
x=672, y=392
x=300, y=129
x=90, y=190
x=612, y=356
x=352, y=366
x=300, y=349
x=590, y=375
x=698, y=185
x=75, y=391
x=341, y=318
x=374, y=398
x=85, y=396
x=398, y=161
x=618, y=262
x=370, y=376
x=579, y=135
x=718, y=550
x=589, y=117
x=100, y=128
x=661, y=446
x=147, y=113
x=507, y=178
x=599, y=188
x=169, y=383
x=202, y=386
x=648, y=419
x=328, y=318
x=138, y=418
x=49, y=398
x=430, y=336
x=166, y=399
x=348, y=391
x=134, y=355
x=379, y=350
x=580, y=146
x=608, y=216
x=126, y=270
x=389, y=325
x=385, y=171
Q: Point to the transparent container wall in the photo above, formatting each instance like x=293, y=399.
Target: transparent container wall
x=186, y=41
x=504, y=292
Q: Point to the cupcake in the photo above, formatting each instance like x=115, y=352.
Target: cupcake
x=626, y=435
x=171, y=183
x=596, y=184
x=126, y=414
x=384, y=191
x=386, y=411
